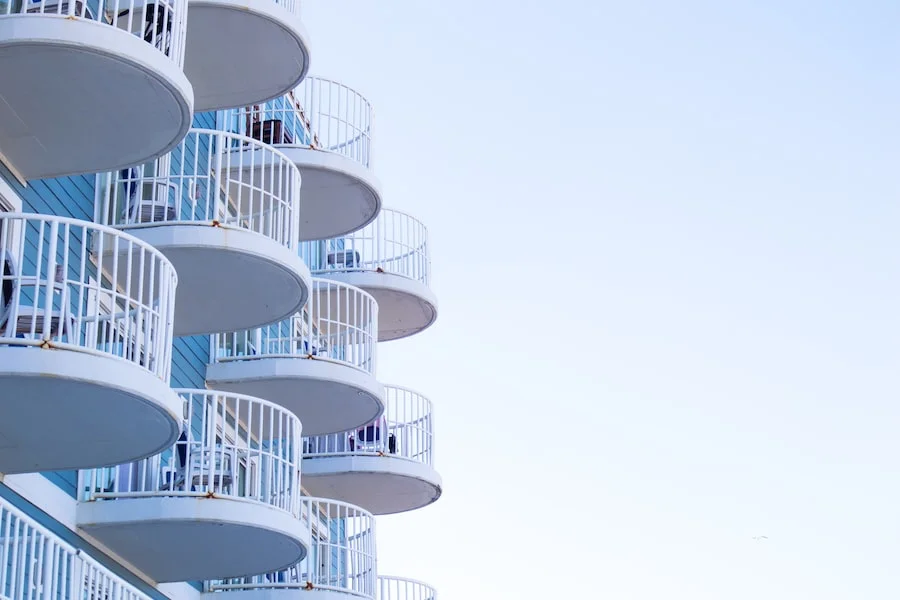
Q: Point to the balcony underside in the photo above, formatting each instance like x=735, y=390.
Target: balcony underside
x=380, y=484
x=405, y=306
x=59, y=409
x=242, y=52
x=328, y=397
x=228, y=279
x=80, y=96
x=189, y=539
x=339, y=195
x=291, y=593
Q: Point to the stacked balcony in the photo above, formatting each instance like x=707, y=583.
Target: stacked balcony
x=91, y=85
x=325, y=128
x=319, y=364
x=341, y=562
x=85, y=336
x=388, y=259
x=36, y=564
x=223, y=208
x=386, y=466
x=398, y=588
x=222, y=501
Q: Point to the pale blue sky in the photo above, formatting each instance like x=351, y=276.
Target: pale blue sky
x=665, y=244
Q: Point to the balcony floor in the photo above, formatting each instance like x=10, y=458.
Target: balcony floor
x=189, y=539
x=128, y=104
x=228, y=44
x=50, y=402
x=382, y=485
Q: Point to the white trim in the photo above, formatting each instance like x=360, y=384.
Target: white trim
x=10, y=201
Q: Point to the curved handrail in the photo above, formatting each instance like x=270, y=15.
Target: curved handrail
x=80, y=286
x=341, y=558
x=160, y=23
x=231, y=445
x=212, y=177
x=339, y=324
x=401, y=588
x=320, y=113
x=395, y=243
x=37, y=564
x=406, y=431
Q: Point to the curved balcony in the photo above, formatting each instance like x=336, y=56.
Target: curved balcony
x=226, y=220
x=397, y=588
x=319, y=364
x=389, y=259
x=78, y=341
x=326, y=129
x=37, y=565
x=387, y=466
x=130, y=101
x=244, y=51
x=341, y=563
x=231, y=483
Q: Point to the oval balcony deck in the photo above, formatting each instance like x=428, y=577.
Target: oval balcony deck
x=325, y=128
x=240, y=52
x=130, y=101
x=319, y=364
x=223, y=501
x=76, y=341
x=231, y=236
x=38, y=565
x=341, y=563
x=398, y=588
x=389, y=259
x=385, y=467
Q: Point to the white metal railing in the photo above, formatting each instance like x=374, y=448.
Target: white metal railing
x=319, y=113
x=398, y=588
x=231, y=445
x=160, y=23
x=338, y=324
x=406, y=430
x=212, y=177
x=394, y=242
x=341, y=557
x=37, y=565
x=54, y=292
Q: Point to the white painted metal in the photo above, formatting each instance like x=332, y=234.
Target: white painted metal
x=228, y=222
x=341, y=561
x=319, y=364
x=387, y=466
x=389, y=259
x=78, y=339
x=244, y=51
x=232, y=480
x=36, y=565
x=398, y=588
x=326, y=129
x=129, y=103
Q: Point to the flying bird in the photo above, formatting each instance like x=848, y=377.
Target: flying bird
x=760, y=537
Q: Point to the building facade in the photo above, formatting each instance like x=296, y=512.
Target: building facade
x=198, y=268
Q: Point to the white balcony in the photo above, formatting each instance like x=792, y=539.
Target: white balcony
x=398, y=588
x=78, y=341
x=386, y=466
x=37, y=565
x=223, y=501
x=341, y=563
x=91, y=85
x=227, y=221
x=326, y=129
x=319, y=364
x=244, y=51
x=389, y=259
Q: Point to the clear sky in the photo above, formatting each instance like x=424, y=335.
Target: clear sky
x=666, y=244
